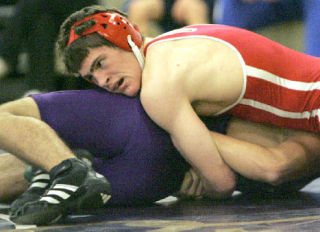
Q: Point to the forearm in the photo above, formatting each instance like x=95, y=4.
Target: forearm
x=248, y=159
x=273, y=165
x=218, y=178
x=190, y=136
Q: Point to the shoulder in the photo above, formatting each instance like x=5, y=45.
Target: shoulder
x=181, y=63
x=172, y=59
x=188, y=51
x=165, y=71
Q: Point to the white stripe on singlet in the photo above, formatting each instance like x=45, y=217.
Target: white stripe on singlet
x=280, y=81
x=279, y=112
x=295, y=85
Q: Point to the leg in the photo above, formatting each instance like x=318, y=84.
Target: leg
x=11, y=177
x=40, y=180
x=23, y=133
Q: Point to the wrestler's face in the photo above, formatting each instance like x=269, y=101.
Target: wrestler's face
x=113, y=69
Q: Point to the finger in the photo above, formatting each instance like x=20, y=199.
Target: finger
x=199, y=189
x=187, y=182
x=192, y=192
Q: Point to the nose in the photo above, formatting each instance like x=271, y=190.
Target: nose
x=102, y=81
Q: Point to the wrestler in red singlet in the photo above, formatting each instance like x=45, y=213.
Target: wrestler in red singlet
x=281, y=85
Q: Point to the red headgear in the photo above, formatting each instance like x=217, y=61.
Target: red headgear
x=112, y=26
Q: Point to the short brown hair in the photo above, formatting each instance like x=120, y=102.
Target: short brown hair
x=73, y=55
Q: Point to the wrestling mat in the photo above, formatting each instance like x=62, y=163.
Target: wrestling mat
x=293, y=212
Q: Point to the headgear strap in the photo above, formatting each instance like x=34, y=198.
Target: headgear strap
x=113, y=27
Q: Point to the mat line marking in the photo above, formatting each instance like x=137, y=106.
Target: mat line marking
x=205, y=224
x=308, y=218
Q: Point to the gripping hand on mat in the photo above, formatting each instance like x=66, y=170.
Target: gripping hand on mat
x=192, y=186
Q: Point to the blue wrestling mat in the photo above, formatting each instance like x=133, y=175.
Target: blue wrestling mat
x=293, y=212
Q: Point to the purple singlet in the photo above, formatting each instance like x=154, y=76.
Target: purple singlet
x=135, y=155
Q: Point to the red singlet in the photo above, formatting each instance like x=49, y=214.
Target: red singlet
x=281, y=86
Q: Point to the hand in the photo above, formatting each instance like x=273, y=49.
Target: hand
x=192, y=187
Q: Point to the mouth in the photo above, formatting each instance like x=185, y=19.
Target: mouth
x=120, y=82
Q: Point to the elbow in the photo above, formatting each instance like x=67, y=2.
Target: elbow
x=272, y=168
x=228, y=187
x=275, y=173
x=221, y=191
x=226, y=192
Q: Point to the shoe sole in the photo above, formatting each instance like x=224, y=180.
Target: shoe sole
x=85, y=199
x=46, y=216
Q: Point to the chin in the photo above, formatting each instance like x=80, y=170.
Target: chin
x=131, y=92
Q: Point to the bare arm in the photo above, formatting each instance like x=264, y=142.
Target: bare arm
x=262, y=153
x=269, y=154
x=169, y=107
x=193, y=140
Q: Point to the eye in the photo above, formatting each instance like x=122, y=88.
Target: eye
x=89, y=78
x=100, y=64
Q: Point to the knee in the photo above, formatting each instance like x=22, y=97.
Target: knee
x=21, y=107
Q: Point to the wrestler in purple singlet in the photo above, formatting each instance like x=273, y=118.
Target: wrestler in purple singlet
x=135, y=155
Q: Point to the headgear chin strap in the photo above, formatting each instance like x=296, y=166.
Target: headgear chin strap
x=136, y=51
x=116, y=29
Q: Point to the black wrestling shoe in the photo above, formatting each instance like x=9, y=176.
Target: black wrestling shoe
x=39, y=181
x=75, y=186
x=84, y=155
